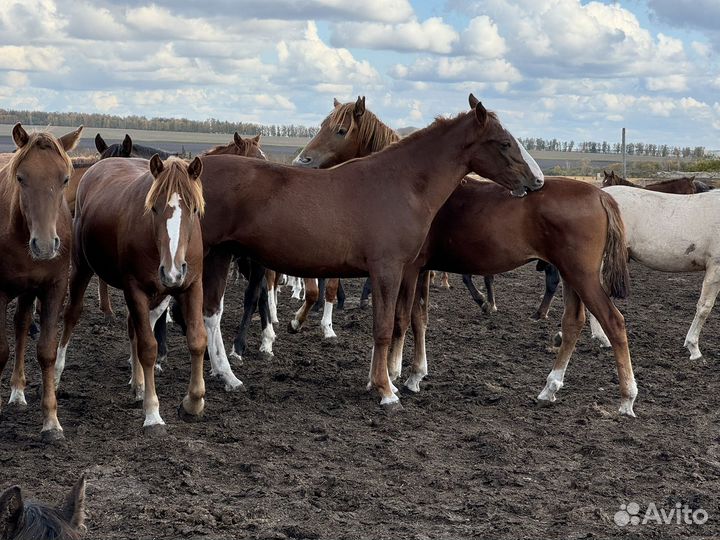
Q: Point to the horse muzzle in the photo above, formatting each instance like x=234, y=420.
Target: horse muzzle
x=174, y=277
x=44, y=250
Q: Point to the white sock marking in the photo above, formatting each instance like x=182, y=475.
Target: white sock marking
x=326, y=322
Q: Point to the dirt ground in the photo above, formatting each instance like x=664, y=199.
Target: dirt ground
x=307, y=453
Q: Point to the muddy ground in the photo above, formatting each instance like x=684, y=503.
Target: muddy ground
x=306, y=452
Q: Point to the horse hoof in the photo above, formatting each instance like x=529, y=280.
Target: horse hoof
x=235, y=356
x=392, y=407
x=188, y=417
x=542, y=402
x=50, y=436
x=364, y=303
x=235, y=388
x=155, y=430
x=291, y=328
x=487, y=308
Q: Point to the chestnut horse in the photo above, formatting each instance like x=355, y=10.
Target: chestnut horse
x=32, y=520
x=139, y=231
x=368, y=216
x=35, y=244
x=481, y=230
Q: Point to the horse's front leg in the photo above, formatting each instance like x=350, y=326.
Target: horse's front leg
x=139, y=309
x=419, y=320
x=254, y=295
x=477, y=296
x=385, y=284
x=326, y=323
x=105, y=303
x=215, y=271
x=489, y=306
x=366, y=292
x=403, y=307
x=710, y=289
x=51, y=299
x=552, y=280
x=191, y=304
x=23, y=318
x=312, y=293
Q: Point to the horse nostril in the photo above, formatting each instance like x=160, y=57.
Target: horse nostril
x=305, y=159
x=34, y=244
x=162, y=271
x=56, y=243
x=183, y=269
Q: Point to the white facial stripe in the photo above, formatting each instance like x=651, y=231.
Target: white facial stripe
x=534, y=167
x=173, y=228
x=262, y=153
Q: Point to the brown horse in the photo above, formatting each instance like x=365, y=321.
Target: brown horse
x=368, y=216
x=139, y=231
x=239, y=146
x=35, y=242
x=480, y=230
x=31, y=520
x=683, y=186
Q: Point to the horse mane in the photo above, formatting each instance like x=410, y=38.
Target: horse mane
x=372, y=132
x=174, y=178
x=220, y=149
x=672, y=180
x=146, y=152
x=40, y=139
x=43, y=522
x=441, y=121
x=84, y=162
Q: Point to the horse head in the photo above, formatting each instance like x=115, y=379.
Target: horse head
x=39, y=170
x=176, y=201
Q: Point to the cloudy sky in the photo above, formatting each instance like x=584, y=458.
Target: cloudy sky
x=569, y=69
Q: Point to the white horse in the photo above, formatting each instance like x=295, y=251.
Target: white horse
x=673, y=233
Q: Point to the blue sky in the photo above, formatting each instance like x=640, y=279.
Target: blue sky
x=568, y=69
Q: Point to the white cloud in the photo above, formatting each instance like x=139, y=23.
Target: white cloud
x=275, y=101
x=671, y=83
x=483, y=39
x=104, y=101
x=457, y=69
x=17, y=58
x=431, y=35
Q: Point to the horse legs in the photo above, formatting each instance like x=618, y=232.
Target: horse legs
x=419, y=320
x=4, y=347
x=271, y=278
x=160, y=333
x=105, y=304
x=445, y=281
x=80, y=275
x=386, y=285
x=255, y=292
x=552, y=280
x=597, y=332
x=137, y=379
x=191, y=304
x=146, y=346
x=23, y=317
x=340, y=296
x=51, y=298
x=403, y=308
x=331, y=290
x=311, y=296
x=486, y=305
x=321, y=294
x=366, y=292
x=710, y=289
x=215, y=271
x=573, y=320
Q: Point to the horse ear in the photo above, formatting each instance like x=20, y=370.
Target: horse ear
x=127, y=146
x=256, y=138
x=473, y=101
x=195, y=168
x=336, y=103
x=70, y=140
x=237, y=139
x=74, y=506
x=156, y=165
x=605, y=173
x=359, y=106
x=100, y=143
x=20, y=136
x=481, y=114
x=11, y=509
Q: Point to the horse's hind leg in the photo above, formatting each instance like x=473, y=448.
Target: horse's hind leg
x=268, y=331
x=105, y=304
x=160, y=332
x=612, y=321
x=489, y=306
x=403, y=310
x=253, y=294
x=552, y=280
x=321, y=294
x=366, y=292
x=331, y=289
x=573, y=321
x=340, y=296
x=23, y=317
x=271, y=277
x=312, y=294
x=419, y=320
x=480, y=300
x=445, y=281
x=710, y=289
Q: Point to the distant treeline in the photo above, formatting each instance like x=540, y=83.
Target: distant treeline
x=633, y=149
x=210, y=125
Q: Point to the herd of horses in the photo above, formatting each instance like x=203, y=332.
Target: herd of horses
x=357, y=201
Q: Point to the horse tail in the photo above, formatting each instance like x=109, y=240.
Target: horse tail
x=615, y=258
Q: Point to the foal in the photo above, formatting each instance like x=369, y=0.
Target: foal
x=31, y=520
x=139, y=231
x=34, y=242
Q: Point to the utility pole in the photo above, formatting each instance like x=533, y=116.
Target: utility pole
x=623, y=155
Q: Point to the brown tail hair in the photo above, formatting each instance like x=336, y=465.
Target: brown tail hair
x=615, y=272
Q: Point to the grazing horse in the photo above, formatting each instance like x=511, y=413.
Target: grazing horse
x=35, y=234
x=138, y=229
x=368, y=216
x=31, y=520
x=674, y=233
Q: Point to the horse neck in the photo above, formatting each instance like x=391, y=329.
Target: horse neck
x=374, y=144
x=10, y=203
x=434, y=159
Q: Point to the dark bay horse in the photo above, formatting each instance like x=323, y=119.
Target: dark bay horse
x=685, y=185
x=31, y=520
x=367, y=216
x=138, y=229
x=482, y=231
x=127, y=148
x=35, y=244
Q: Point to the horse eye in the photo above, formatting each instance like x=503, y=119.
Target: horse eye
x=342, y=131
x=506, y=144
x=19, y=178
x=154, y=210
x=67, y=179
